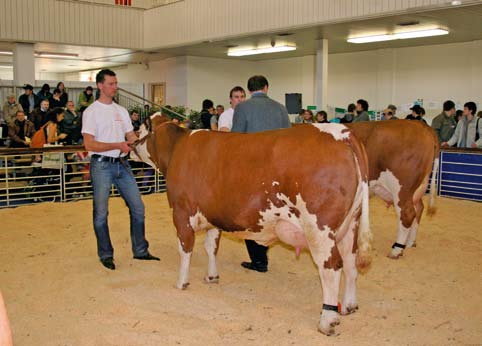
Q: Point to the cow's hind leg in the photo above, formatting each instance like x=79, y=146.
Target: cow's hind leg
x=412, y=235
x=347, y=248
x=211, y=244
x=185, y=235
x=326, y=256
x=407, y=216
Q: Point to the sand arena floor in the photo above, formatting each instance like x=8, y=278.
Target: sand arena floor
x=57, y=293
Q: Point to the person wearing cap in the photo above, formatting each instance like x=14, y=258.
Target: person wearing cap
x=10, y=109
x=389, y=114
x=86, y=98
x=417, y=113
x=444, y=124
x=28, y=100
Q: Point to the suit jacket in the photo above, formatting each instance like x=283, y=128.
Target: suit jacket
x=259, y=113
x=23, y=100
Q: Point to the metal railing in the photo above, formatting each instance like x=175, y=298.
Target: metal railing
x=61, y=175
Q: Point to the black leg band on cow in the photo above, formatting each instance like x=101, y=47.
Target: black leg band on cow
x=398, y=245
x=330, y=307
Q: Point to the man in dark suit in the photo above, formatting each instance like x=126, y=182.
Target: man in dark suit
x=259, y=113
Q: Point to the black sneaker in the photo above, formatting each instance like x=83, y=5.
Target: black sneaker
x=259, y=267
x=108, y=263
x=147, y=257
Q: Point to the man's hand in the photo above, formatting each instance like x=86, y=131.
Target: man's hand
x=444, y=144
x=124, y=147
x=474, y=145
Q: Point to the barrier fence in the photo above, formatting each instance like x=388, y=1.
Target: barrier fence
x=62, y=174
x=58, y=174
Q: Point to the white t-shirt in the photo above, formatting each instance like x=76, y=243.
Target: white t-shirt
x=108, y=123
x=226, y=119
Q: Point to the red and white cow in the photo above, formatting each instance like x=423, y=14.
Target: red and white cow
x=401, y=156
x=268, y=186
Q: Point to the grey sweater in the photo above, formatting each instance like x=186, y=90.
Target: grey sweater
x=259, y=113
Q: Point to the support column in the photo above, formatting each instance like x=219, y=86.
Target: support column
x=321, y=74
x=23, y=64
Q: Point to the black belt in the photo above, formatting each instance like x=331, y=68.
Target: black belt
x=100, y=158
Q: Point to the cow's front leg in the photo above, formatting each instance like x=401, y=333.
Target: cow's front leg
x=185, y=235
x=326, y=256
x=211, y=244
x=348, y=255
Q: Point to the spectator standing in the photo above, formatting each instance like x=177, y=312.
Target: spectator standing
x=444, y=123
x=307, y=117
x=44, y=94
x=206, y=113
x=72, y=125
x=64, y=96
x=259, y=113
x=56, y=101
x=468, y=130
x=20, y=131
x=39, y=115
x=361, y=111
x=10, y=109
x=219, y=110
x=86, y=98
x=28, y=100
x=349, y=115
x=108, y=131
x=416, y=114
x=458, y=115
x=236, y=96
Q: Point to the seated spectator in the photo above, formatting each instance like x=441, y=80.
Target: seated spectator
x=28, y=100
x=206, y=113
x=55, y=100
x=20, y=131
x=388, y=115
x=322, y=117
x=307, y=117
x=444, y=124
x=136, y=123
x=361, y=111
x=10, y=109
x=44, y=94
x=72, y=125
x=49, y=133
x=349, y=115
x=468, y=130
x=86, y=98
x=39, y=115
x=64, y=96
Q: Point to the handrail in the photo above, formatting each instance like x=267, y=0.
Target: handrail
x=165, y=109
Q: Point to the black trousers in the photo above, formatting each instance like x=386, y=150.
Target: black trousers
x=257, y=253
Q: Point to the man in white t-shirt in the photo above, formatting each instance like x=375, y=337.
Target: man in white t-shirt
x=105, y=127
x=236, y=95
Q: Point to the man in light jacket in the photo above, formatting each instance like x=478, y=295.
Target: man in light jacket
x=468, y=130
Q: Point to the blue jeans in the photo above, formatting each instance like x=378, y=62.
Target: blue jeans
x=103, y=175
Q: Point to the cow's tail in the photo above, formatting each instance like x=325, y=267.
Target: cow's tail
x=363, y=257
x=431, y=208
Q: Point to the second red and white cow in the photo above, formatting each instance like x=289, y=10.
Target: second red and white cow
x=401, y=156
x=268, y=186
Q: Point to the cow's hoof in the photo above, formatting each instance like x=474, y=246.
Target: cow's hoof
x=211, y=279
x=414, y=244
x=328, y=321
x=395, y=253
x=349, y=309
x=183, y=286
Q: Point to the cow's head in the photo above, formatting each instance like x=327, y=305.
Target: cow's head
x=140, y=148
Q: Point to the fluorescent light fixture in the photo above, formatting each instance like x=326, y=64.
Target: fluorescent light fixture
x=420, y=33
x=399, y=36
x=265, y=50
x=6, y=52
x=56, y=55
x=6, y=66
